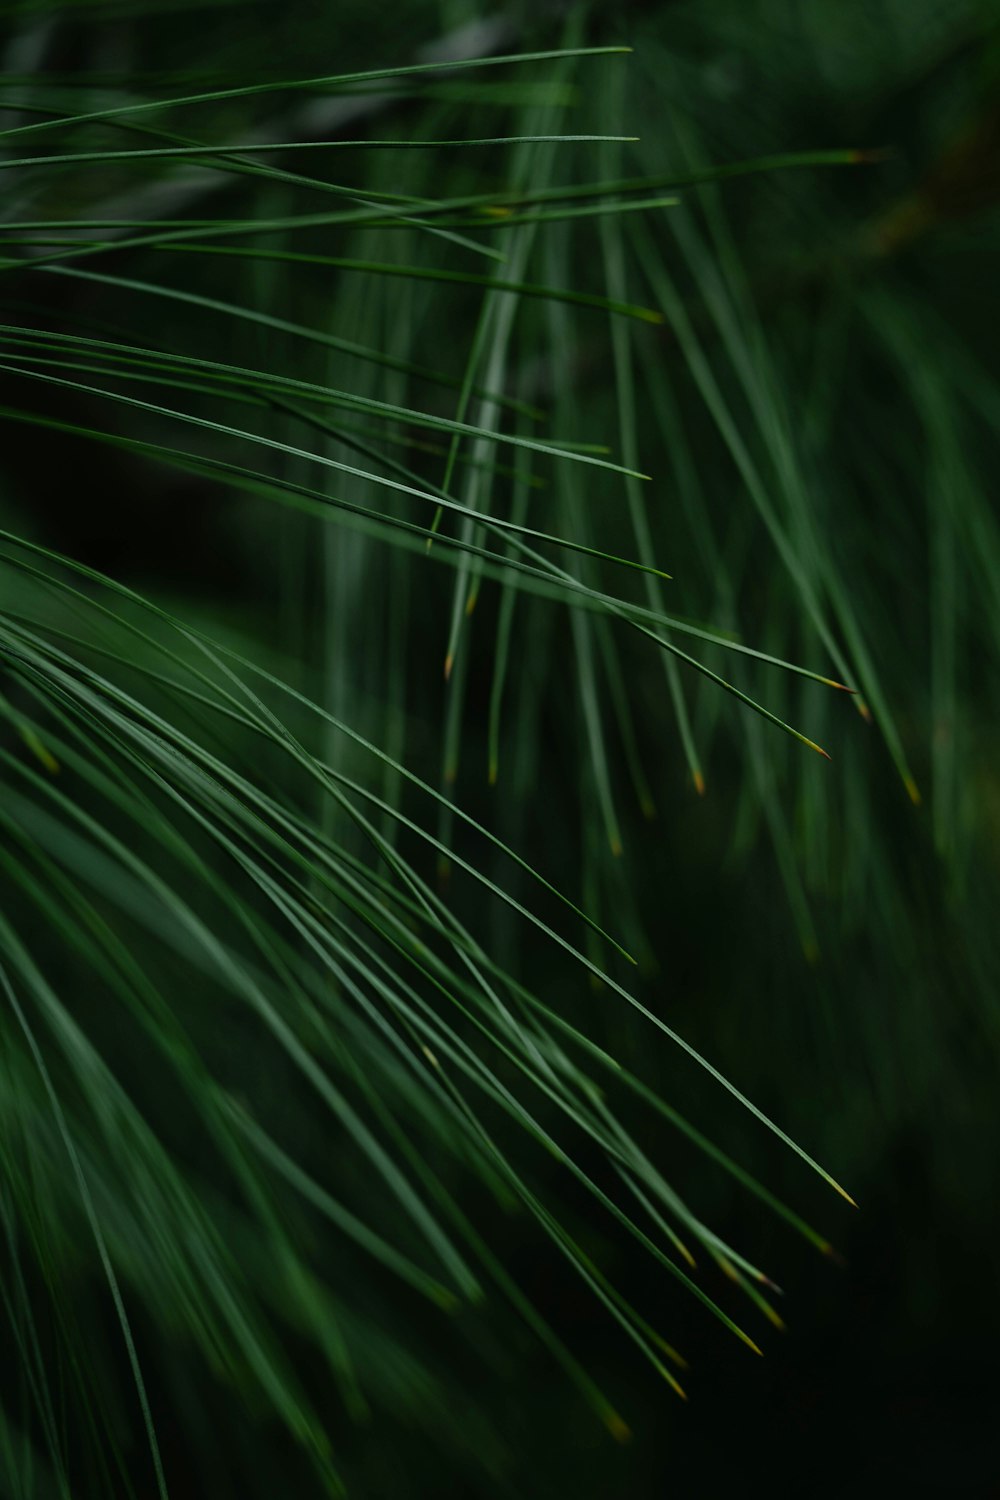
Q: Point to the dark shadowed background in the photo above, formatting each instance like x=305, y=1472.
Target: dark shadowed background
x=780, y=303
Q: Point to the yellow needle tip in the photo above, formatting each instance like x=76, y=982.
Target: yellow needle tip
x=619, y=1430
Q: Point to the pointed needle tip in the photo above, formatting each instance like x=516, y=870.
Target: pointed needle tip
x=871, y=154
x=818, y=748
x=619, y=1429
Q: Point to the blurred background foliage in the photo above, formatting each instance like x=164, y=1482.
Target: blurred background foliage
x=334, y=1154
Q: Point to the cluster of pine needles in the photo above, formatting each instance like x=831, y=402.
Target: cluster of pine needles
x=427, y=489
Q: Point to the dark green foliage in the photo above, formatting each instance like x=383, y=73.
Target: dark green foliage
x=406, y=1072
